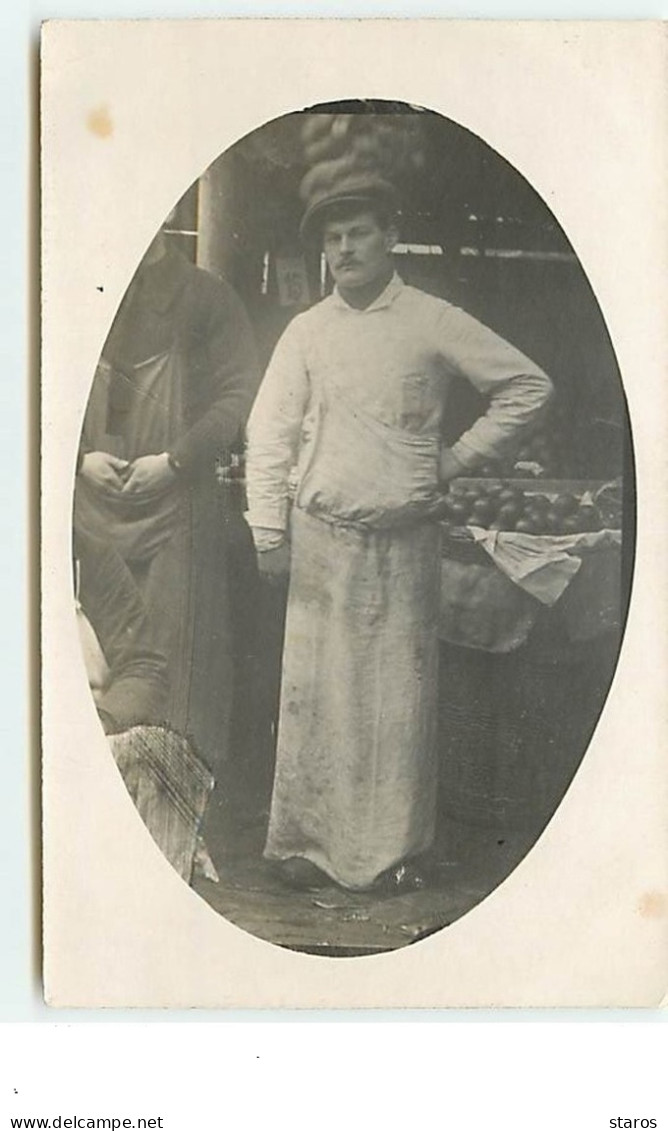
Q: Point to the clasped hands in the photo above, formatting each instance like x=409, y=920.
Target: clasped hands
x=146, y=475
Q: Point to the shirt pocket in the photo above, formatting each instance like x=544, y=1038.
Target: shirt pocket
x=419, y=400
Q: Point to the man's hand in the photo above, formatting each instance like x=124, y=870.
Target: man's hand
x=274, y=565
x=103, y=471
x=450, y=467
x=149, y=475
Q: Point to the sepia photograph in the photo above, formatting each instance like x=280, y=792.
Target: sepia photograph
x=352, y=609
x=353, y=527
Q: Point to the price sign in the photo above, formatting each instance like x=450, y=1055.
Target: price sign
x=293, y=289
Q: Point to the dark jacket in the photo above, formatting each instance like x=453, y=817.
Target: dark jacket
x=172, y=304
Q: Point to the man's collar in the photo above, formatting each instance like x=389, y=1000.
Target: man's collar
x=385, y=298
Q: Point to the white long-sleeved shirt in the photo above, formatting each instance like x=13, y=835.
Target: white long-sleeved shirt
x=397, y=358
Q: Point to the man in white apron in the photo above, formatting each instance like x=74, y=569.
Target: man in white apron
x=354, y=396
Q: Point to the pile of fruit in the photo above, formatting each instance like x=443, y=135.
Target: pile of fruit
x=337, y=146
x=501, y=505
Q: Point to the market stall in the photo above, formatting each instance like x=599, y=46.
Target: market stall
x=530, y=624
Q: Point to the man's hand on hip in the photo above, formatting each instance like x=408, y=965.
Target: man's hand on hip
x=450, y=467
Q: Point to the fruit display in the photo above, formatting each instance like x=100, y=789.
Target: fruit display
x=504, y=505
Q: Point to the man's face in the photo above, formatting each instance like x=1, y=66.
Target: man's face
x=357, y=249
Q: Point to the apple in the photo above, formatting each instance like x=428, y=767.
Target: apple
x=553, y=522
x=482, y=512
x=508, y=515
x=511, y=495
x=565, y=504
x=458, y=511
x=589, y=517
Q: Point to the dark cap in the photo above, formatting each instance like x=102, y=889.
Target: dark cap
x=363, y=189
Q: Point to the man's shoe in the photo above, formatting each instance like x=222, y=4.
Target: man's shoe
x=302, y=875
x=401, y=879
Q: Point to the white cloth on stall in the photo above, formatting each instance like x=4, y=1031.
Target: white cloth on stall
x=542, y=565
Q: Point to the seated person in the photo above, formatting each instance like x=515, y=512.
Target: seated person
x=127, y=671
x=131, y=686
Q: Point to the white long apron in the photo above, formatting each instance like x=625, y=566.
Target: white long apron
x=355, y=782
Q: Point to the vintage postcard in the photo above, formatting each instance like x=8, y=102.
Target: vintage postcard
x=353, y=513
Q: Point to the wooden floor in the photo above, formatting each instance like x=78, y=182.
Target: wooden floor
x=513, y=730
x=467, y=865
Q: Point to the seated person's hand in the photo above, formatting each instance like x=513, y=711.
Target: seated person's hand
x=149, y=475
x=103, y=471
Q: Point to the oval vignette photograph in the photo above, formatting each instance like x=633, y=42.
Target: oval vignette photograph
x=354, y=522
